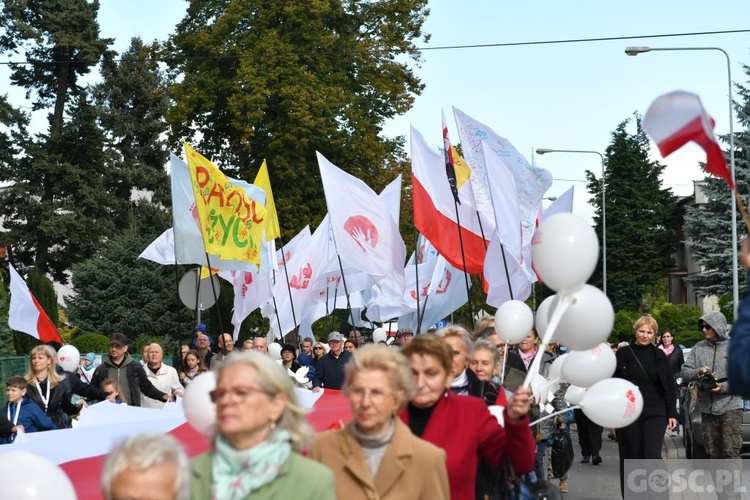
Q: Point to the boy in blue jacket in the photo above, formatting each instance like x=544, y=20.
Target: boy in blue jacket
x=22, y=412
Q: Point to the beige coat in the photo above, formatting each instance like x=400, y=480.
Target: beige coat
x=411, y=468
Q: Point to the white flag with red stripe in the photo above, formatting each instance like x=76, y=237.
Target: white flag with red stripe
x=677, y=118
x=25, y=313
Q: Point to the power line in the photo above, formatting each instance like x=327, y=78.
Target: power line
x=442, y=47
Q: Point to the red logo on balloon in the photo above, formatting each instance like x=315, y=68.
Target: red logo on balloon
x=630, y=395
x=363, y=231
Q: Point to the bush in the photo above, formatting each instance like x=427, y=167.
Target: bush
x=91, y=342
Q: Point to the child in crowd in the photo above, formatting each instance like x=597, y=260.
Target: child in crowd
x=111, y=386
x=24, y=414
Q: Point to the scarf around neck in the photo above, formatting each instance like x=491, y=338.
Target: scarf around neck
x=667, y=350
x=237, y=473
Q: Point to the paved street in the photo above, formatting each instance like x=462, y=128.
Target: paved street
x=601, y=482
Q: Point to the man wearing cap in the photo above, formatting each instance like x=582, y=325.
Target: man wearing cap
x=127, y=372
x=330, y=371
x=403, y=336
x=721, y=412
x=197, y=331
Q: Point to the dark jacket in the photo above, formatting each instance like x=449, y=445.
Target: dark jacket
x=739, y=349
x=138, y=382
x=676, y=360
x=481, y=389
x=330, y=371
x=59, y=405
x=77, y=386
x=628, y=364
x=31, y=417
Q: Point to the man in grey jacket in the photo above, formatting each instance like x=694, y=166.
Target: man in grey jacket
x=721, y=412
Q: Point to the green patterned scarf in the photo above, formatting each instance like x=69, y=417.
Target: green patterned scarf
x=237, y=473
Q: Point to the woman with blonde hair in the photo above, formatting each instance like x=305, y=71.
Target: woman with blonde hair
x=49, y=389
x=376, y=455
x=260, y=433
x=642, y=363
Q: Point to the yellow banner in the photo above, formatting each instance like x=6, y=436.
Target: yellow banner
x=263, y=181
x=231, y=222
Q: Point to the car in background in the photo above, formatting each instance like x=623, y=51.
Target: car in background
x=692, y=429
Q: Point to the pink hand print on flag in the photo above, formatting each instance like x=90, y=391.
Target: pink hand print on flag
x=363, y=231
x=301, y=279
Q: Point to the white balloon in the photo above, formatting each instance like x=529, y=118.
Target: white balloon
x=200, y=411
x=274, y=351
x=543, y=315
x=585, y=368
x=587, y=322
x=565, y=251
x=539, y=388
x=555, y=369
x=574, y=394
x=379, y=335
x=613, y=402
x=27, y=476
x=513, y=321
x=68, y=358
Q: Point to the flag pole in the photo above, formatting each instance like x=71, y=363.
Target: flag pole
x=335, y=297
x=276, y=309
x=416, y=273
x=463, y=260
x=216, y=301
x=743, y=211
x=289, y=289
x=346, y=290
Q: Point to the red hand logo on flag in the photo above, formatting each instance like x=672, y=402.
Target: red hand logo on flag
x=444, y=283
x=363, y=231
x=301, y=279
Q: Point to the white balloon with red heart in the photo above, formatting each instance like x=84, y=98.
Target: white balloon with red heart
x=612, y=402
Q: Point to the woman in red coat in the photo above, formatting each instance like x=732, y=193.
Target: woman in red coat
x=463, y=425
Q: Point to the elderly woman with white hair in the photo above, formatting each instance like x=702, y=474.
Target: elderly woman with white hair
x=260, y=433
x=465, y=381
x=147, y=466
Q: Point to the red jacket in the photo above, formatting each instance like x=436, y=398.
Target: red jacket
x=465, y=429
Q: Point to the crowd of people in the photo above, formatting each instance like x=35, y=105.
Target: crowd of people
x=407, y=396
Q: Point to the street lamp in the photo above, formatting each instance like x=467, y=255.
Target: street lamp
x=634, y=51
x=542, y=151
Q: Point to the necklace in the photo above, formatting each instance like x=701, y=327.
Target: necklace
x=44, y=396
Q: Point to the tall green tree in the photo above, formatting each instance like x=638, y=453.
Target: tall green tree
x=50, y=209
x=281, y=80
x=116, y=291
x=641, y=217
x=132, y=101
x=708, y=227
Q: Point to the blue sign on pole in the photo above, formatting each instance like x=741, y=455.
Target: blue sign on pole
x=441, y=324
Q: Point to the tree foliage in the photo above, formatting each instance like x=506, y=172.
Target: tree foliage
x=641, y=218
x=708, y=227
x=117, y=292
x=282, y=80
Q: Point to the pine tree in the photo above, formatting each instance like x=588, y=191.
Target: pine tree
x=641, y=217
x=708, y=227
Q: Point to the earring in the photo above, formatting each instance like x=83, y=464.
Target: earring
x=273, y=425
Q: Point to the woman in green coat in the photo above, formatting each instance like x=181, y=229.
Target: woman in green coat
x=260, y=432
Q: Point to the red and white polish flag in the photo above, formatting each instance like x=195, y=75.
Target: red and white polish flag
x=677, y=118
x=25, y=313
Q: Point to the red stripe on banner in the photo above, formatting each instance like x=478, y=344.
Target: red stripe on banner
x=441, y=231
x=44, y=327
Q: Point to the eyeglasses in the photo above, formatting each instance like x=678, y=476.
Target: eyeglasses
x=376, y=395
x=239, y=394
x=317, y=348
x=704, y=326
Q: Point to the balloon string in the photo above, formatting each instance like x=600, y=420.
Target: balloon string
x=554, y=414
x=502, y=366
x=565, y=302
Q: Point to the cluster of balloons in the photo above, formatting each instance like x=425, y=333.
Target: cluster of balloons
x=565, y=252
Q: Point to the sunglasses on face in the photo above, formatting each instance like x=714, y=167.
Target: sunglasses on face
x=317, y=348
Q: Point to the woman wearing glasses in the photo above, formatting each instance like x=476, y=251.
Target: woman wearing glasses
x=376, y=455
x=260, y=432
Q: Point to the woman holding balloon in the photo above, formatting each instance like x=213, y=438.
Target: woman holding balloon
x=646, y=366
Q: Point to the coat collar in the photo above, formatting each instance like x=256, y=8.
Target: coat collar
x=395, y=461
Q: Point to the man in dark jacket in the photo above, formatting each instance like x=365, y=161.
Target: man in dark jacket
x=330, y=371
x=128, y=373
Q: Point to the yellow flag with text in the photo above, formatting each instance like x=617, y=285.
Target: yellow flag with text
x=263, y=181
x=232, y=223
